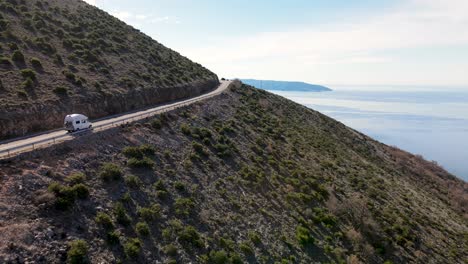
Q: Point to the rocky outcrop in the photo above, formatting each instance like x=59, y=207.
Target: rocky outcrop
x=35, y=117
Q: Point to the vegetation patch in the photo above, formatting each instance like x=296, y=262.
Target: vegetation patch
x=66, y=195
x=78, y=252
x=110, y=171
x=132, y=248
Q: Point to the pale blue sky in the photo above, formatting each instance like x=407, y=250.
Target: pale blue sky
x=401, y=42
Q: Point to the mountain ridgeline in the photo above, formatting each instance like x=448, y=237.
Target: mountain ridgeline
x=244, y=177
x=286, y=86
x=63, y=56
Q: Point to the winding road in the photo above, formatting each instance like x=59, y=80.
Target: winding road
x=15, y=147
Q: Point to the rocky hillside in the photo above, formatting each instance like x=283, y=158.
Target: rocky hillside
x=245, y=177
x=64, y=56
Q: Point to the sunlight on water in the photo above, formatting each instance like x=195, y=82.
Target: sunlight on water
x=431, y=123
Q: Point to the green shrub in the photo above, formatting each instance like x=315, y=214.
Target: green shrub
x=76, y=178
x=246, y=248
x=139, y=152
x=81, y=191
x=113, y=237
x=132, y=181
x=204, y=133
x=70, y=76
x=180, y=186
x=132, y=152
x=142, y=229
x=195, y=157
x=104, y=220
x=218, y=257
x=110, y=171
x=79, y=81
x=303, y=236
x=150, y=213
x=28, y=83
x=65, y=201
x=60, y=90
x=13, y=46
x=141, y=163
x=3, y=24
x=36, y=63
x=222, y=150
x=78, y=252
x=184, y=206
x=147, y=150
x=58, y=59
x=17, y=56
x=54, y=187
x=132, y=248
x=5, y=61
x=126, y=198
x=199, y=148
x=170, y=250
x=236, y=259
x=156, y=124
x=320, y=216
x=121, y=214
x=189, y=235
x=206, y=141
x=162, y=194
x=65, y=196
x=255, y=238
x=22, y=94
x=28, y=73
x=159, y=185
x=185, y=129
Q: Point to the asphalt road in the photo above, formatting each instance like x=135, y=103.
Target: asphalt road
x=14, y=147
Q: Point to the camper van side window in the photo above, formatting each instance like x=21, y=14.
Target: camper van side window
x=77, y=122
x=84, y=121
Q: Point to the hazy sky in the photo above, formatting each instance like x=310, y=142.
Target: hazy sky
x=405, y=42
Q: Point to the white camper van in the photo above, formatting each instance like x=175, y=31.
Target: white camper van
x=76, y=122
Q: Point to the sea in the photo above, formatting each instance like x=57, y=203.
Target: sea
x=432, y=122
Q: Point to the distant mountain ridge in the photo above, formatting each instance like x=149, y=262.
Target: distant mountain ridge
x=286, y=86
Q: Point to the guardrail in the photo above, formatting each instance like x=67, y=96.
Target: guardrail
x=14, y=151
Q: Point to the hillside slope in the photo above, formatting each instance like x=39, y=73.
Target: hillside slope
x=246, y=177
x=64, y=56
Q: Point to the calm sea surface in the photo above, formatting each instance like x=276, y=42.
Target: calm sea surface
x=432, y=123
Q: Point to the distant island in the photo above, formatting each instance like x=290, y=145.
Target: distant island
x=286, y=86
